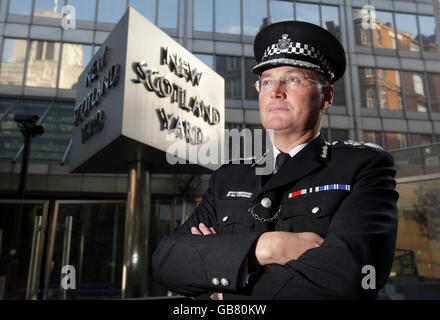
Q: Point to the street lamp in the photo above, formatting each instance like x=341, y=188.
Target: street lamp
x=30, y=128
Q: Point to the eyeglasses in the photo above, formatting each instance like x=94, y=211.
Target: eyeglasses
x=291, y=82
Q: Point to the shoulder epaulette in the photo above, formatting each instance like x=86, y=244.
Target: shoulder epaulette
x=351, y=143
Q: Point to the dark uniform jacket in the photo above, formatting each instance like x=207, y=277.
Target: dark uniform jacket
x=344, y=192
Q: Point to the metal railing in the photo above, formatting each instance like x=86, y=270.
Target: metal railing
x=417, y=161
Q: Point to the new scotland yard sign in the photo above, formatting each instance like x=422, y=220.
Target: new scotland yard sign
x=145, y=97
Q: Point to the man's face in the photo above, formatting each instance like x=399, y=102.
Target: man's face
x=292, y=110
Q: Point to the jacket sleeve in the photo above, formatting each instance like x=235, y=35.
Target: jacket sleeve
x=362, y=233
x=187, y=264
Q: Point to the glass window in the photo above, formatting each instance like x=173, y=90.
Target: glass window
x=395, y=140
x=338, y=134
x=75, y=58
x=20, y=7
x=384, y=35
x=281, y=10
x=308, y=13
x=418, y=139
x=414, y=89
x=367, y=83
x=416, y=255
x=111, y=11
x=84, y=9
x=254, y=15
x=373, y=136
x=145, y=7
x=203, y=15
x=227, y=16
x=250, y=78
x=362, y=35
x=339, y=98
x=407, y=32
x=207, y=59
x=168, y=14
x=43, y=64
x=324, y=133
x=58, y=129
x=48, y=9
x=434, y=91
x=330, y=20
x=428, y=34
x=390, y=91
x=12, y=64
x=11, y=138
x=230, y=69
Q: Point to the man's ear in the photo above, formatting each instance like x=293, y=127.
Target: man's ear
x=328, y=93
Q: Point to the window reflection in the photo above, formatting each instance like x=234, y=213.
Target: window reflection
x=308, y=13
x=339, y=98
x=84, y=9
x=330, y=20
x=167, y=16
x=207, y=59
x=383, y=32
x=74, y=59
x=111, y=11
x=428, y=33
x=390, y=92
x=434, y=91
x=281, y=10
x=415, y=97
x=363, y=36
x=145, y=7
x=203, y=15
x=42, y=64
x=367, y=83
x=48, y=9
x=58, y=128
x=227, y=16
x=395, y=140
x=20, y=7
x=418, y=236
x=407, y=32
x=11, y=138
x=250, y=78
x=12, y=64
x=338, y=134
x=373, y=136
x=418, y=139
x=230, y=69
x=254, y=13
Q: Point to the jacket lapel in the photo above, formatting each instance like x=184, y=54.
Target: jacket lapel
x=307, y=160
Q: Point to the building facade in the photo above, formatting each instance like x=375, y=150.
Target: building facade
x=389, y=95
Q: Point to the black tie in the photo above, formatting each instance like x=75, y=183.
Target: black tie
x=281, y=159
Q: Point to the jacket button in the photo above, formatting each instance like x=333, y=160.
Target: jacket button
x=265, y=202
x=316, y=210
x=224, y=282
x=225, y=218
x=215, y=281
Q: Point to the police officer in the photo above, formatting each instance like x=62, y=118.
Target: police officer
x=307, y=230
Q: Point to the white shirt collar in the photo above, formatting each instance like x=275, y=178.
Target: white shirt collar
x=295, y=150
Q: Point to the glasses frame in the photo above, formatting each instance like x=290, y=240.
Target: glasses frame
x=284, y=84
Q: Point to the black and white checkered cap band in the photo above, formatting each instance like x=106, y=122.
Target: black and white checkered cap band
x=299, y=48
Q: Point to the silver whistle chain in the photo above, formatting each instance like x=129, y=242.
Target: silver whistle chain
x=258, y=218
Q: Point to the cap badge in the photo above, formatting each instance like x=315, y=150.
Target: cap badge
x=283, y=44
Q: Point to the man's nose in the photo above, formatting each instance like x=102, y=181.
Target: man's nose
x=279, y=89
